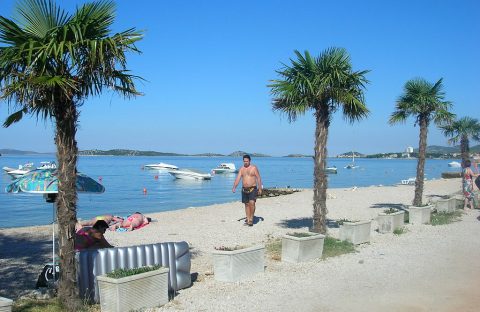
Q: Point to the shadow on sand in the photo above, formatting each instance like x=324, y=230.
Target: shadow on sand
x=22, y=258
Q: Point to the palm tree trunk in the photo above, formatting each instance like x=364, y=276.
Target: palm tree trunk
x=464, y=148
x=66, y=126
x=422, y=150
x=320, y=178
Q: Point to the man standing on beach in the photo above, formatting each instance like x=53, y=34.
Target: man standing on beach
x=252, y=186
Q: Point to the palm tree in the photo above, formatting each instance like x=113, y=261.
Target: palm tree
x=425, y=102
x=462, y=130
x=50, y=62
x=323, y=84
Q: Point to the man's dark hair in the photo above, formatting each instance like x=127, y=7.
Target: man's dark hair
x=247, y=157
x=467, y=163
x=100, y=225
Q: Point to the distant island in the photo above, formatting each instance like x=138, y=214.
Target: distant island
x=433, y=151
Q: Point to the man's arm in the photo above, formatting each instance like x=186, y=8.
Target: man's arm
x=237, y=180
x=259, y=180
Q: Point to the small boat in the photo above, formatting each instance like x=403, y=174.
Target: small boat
x=225, y=168
x=190, y=174
x=161, y=166
x=20, y=171
x=332, y=169
x=454, y=164
x=409, y=181
x=47, y=165
x=352, y=164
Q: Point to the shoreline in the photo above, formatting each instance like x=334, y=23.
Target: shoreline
x=209, y=226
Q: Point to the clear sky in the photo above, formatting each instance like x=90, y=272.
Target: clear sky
x=207, y=65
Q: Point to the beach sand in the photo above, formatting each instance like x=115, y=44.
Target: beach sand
x=429, y=268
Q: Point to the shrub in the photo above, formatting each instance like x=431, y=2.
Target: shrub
x=441, y=218
x=333, y=247
x=119, y=273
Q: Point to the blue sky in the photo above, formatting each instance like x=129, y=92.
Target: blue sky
x=207, y=65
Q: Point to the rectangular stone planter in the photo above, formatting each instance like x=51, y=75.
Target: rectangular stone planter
x=300, y=249
x=232, y=266
x=420, y=215
x=356, y=232
x=445, y=205
x=389, y=222
x=6, y=304
x=144, y=290
x=459, y=201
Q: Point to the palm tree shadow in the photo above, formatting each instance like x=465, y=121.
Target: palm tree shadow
x=22, y=258
x=389, y=205
x=299, y=223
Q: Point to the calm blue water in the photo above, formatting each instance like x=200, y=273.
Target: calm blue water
x=125, y=180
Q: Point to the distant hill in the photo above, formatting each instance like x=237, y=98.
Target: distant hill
x=125, y=152
x=297, y=155
x=241, y=153
x=349, y=154
x=448, y=149
x=17, y=152
x=209, y=155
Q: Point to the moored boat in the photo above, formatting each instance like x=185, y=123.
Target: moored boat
x=225, y=168
x=332, y=169
x=161, y=166
x=454, y=164
x=190, y=174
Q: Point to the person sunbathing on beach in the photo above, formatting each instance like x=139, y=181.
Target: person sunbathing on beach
x=132, y=222
x=87, y=238
x=110, y=219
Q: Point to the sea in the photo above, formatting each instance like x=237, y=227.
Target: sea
x=130, y=187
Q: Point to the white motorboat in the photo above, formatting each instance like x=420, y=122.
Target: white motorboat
x=47, y=165
x=454, y=164
x=225, y=168
x=20, y=171
x=332, y=169
x=161, y=166
x=190, y=174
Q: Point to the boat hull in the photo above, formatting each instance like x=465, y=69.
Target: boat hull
x=179, y=174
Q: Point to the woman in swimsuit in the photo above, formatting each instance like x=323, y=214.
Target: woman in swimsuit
x=132, y=222
x=468, y=186
x=86, y=238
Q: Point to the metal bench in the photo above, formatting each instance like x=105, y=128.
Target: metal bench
x=94, y=262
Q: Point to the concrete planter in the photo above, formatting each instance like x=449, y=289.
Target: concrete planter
x=420, y=215
x=446, y=205
x=459, y=201
x=232, y=266
x=144, y=290
x=6, y=304
x=389, y=222
x=300, y=249
x=356, y=232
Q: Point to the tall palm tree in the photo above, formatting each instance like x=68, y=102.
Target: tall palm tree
x=462, y=130
x=50, y=62
x=425, y=102
x=322, y=84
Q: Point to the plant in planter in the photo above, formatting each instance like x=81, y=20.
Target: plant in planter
x=420, y=214
x=390, y=219
x=231, y=264
x=299, y=247
x=133, y=289
x=356, y=232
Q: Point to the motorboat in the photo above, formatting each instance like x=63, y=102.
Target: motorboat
x=47, y=165
x=409, y=181
x=225, y=168
x=161, y=166
x=190, y=174
x=454, y=164
x=332, y=169
x=20, y=171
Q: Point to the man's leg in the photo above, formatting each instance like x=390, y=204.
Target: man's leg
x=247, y=209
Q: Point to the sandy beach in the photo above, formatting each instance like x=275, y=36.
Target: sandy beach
x=428, y=268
